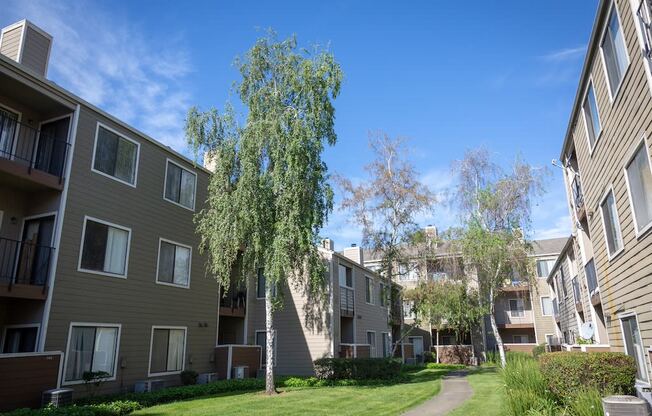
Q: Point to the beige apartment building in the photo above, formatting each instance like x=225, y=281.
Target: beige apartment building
x=608, y=178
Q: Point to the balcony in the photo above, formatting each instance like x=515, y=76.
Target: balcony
x=515, y=286
x=234, y=302
x=578, y=198
x=576, y=294
x=347, y=302
x=24, y=269
x=515, y=319
x=34, y=158
x=592, y=281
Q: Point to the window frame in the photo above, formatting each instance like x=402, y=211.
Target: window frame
x=626, y=315
x=263, y=364
x=36, y=325
x=97, y=133
x=165, y=184
x=19, y=119
x=369, y=290
x=373, y=350
x=616, y=252
x=647, y=62
x=521, y=336
x=613, y=94
x=509, y=305
x=632, y=155
x=151, y=346
x=65, y=382
x=158, y=263
x=552, y=311
x=81, y=248
x=591, y=85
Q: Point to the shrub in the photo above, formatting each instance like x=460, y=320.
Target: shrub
x=538, y=350
x=493, y=357
x=189, y=377
x=442, y=366
x=525, y=388
x=357, y=368
x=116, y=408
x=429, y=357
x=587, y=402
x=569, y=373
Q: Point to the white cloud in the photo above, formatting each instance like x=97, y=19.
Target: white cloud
x=564, y=54
x=112, y=64
x=550, y=216
x=560, y=67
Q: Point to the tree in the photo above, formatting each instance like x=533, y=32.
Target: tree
x=269, y=196
x=495, y=207
x=387, y=203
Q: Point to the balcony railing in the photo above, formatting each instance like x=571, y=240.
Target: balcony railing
x=591, y=277
x=22, y=262
x=31, y=147
x=576, y=290
x=523, y=316
x=578, y=195
x=234, y=298
x=347, y=301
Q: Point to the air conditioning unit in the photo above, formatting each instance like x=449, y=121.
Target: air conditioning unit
x=205, y=378
x=624, y=406
x=146, y=386
x=240, y=372
x=56, y=397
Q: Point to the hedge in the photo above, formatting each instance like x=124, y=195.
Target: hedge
x=116, y=408
x=357, y=368
x=568, y=373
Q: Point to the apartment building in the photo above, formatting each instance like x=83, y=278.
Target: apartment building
x=98, y=258
x=608, y=180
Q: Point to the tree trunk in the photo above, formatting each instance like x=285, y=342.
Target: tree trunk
x=270, y=388
x=499, y=339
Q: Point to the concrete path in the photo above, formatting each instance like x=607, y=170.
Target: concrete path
x=455, y=390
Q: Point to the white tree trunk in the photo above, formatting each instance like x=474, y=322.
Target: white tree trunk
x=499, y=339
x=270, y=388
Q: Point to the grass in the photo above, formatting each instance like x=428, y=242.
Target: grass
x=488, y=394
x=355, y=400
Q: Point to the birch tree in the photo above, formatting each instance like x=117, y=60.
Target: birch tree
x=495, y=207
x=269, y=196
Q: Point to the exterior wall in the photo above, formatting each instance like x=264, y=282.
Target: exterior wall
x=31, y=375
x=543, y=325
x=137, y=302
x=36, y=51
x=625, y=280
x=10, y=45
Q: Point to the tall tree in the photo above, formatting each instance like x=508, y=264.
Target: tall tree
x=495, y=207
x=387, y=204
x=268, y=196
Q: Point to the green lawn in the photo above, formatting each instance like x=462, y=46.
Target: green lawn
x=487, y=396
x=376, y=401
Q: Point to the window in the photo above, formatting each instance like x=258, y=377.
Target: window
x=520, y=339
x=91, y=348
x=408, y=310
x=115, y=156
x=180, y=185
x=611, y=224
x=644, y=21
x=346, y=276
x=369, y=290
x=550, y=339
x=516, y=308
x=544, y=267
x=168, y=350
x=8, y=129
x=591, y=276
x=261, y=281
x=383, y=295
x=591, y=116
x=20, y=338
x=546, y=306
x=634, y=345
x=614, y=52
x=562, y=281
x=576, y=290
x=105, y=248
x=261, y=340
x=173, y=263
x=371, y=340
x=387, y=345
x=639, y=182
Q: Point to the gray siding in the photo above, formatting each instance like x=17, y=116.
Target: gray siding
x=36, y=51
x=11, y=42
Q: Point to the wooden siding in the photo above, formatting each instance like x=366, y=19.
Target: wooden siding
x=36, y=51
x=11, y=42
x=25, y=377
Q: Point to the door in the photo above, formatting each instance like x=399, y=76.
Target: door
x=52, y=146
x=417, y=345
x=20, y=340
x=634, y=346
x=35, y=251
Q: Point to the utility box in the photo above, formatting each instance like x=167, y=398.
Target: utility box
x=624, y=406
x=56, y=398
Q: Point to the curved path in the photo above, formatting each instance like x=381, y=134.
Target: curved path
x=455, y=390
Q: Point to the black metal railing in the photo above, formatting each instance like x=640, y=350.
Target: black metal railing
x=576, y=290
x=578, y=196
x=31, y=147
x=591, y=276
x=23, y=262
x=347, y=301
x=235, y=297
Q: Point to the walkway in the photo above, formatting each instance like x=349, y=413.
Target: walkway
x=455, y=390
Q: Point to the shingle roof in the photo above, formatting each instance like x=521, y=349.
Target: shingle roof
x=549, y=246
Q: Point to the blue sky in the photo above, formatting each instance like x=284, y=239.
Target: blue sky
x=447, y=75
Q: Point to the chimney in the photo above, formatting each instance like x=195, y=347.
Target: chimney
x=354, y=253
x=28, y=45
x=328, y=244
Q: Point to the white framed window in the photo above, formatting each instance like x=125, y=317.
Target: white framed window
x=261, y=340
x=167, y=351
x=591, y=117
x=115, y=155
x=174, y=260
x=643, y=18
x=638, y=175
x=20, y=338
x=369, y=290
x=550, y=339
x=544, y=267
x=371, y=340
x=92, y=347
x=180, y=185
x=345, y=276
x=516, y=308
x=614, y=51
x=104, y=248
x=384, y=295
x=386, y=344
x=520, y=339
x=546, y=306
x=633, y=343
x=9, y=119
x=611, y=224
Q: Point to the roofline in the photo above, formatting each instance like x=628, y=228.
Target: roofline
x=555, y=266
x=598, y=25
x=15, y=66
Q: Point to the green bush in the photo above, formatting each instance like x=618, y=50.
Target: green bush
x=569, y=373
x=538, y=350
x=493, y=357
x=429, y=357
x=116, y=408
x=586, y=403
x=525, y=388
x=442, y=366
x=189, y=377
x=357, y=368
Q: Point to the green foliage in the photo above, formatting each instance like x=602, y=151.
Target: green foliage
x=116, y=408
x=189, y=377
x=493, y=357
x=525, y=388
x=429, y=357
x=538, y=350
x=357, y=368
x=584, y=341
x=442, y=366
x=587, y=402
x=568, y=373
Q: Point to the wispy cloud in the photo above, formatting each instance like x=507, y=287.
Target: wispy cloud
x=564, y=54
x=560, y=67
x=111, y=63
